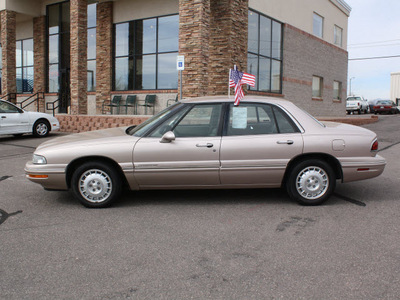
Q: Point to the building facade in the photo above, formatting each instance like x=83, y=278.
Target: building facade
x=78, y=54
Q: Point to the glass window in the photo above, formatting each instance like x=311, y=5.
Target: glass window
x=337, y=35
x=91, y=47
x=285, y=124
x=24, y=66
x=337, y=88
x=168, y=34
x=318, y=25
x=150, y=46
x=202, y=120
x=264, y=56
x=1, y=67
x=251, y=119
x=317, y=87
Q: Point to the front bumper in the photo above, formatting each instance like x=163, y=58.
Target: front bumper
x=51, y=177
x=359, y=168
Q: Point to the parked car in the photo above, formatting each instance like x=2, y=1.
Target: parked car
x=208, y=143
x=357, y=104
x=371, y=104
x=385, y=106
x=16, y=121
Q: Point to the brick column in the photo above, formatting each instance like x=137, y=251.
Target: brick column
x=39, y=52
x=104, y=53
x=8, y=40
x=194, y=33
x=228, y=42
x=78, y=54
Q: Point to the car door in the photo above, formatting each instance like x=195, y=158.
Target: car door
x=12, y=119
x=258, y=143
x=190, y=158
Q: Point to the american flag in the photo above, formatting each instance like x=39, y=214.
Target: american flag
x=237, y=79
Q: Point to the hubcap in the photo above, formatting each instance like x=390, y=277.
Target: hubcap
x=95, y=185
x=41, y=129
x=312, y=183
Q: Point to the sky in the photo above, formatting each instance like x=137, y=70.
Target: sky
x=374, y=31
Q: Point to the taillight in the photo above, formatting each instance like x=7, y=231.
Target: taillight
x=374, y=146
x=358, y=104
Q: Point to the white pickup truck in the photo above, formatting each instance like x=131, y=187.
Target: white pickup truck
x=357, y=104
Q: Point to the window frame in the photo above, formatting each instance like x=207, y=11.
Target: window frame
x=321, y=27
x=321, y=87
x=337, y=29
x=273, y=107
x=132, y=54
x=337, y=96
x=271, y=59
x=24, y=66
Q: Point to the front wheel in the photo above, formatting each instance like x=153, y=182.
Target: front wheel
x=96, y=184
x=311, y=182
x=41, y=128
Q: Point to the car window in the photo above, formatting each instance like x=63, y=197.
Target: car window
x=8, y=108
x=285, y=124
x=251, y=119
x=254, y=119
x=201, y=120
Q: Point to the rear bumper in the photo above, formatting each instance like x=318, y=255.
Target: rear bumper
x=359, y=168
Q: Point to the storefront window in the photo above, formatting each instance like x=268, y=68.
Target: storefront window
x=91, y=47
x=145, y=54
x=264, y=59
x=24, y=64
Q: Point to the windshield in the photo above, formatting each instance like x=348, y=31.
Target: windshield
x=146, y=125
x=384, y=102
x=353, y=98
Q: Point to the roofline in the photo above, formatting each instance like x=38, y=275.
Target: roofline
x=342, y=5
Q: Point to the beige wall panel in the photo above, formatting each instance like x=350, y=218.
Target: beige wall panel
x=300, y=14
x=127, y=10
x=25, y=30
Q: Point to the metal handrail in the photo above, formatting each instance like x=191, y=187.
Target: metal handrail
x=53, y=108
x=36, y=99
x=9, y=97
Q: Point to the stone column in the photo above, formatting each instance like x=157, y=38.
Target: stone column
x=194, y=34
x=78, y=56
x=8, y=43
x=228, y=42
x=39, y=52
x=104, y=53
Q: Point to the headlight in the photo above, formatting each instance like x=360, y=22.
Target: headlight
x=39, y=160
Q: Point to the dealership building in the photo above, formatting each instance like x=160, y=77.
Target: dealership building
x=77, y=55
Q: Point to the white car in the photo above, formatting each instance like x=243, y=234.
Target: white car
x=16, y=121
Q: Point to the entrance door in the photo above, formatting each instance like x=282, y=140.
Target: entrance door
x=65, y=92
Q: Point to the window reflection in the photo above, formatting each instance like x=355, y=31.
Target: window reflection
x=264, y=52
x=24, y=66
x=149, y=49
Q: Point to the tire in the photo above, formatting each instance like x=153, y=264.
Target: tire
x=359, y=111
x=41, y=128
x=96, y=184
x=311, y=182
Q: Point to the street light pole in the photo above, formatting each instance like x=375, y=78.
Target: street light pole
x=350, y=85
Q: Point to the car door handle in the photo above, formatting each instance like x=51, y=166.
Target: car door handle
x=3, y=117
x=208, y=145
x=288, y=142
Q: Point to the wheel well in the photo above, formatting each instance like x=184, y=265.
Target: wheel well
x=43, y=120
x=332, y=161
x=76, y=163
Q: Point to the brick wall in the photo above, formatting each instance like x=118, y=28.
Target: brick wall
x=103, y=53
x=213, y=37
x=39, y=45
x=8, y=42
x=78, y=56
x=305, y=55
x=82, y=123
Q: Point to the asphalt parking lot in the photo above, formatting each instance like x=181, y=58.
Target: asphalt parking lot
x=242, y=244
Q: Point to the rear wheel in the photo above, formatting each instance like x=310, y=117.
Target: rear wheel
x=41, y=128
x=96, y=184
x=311, y=182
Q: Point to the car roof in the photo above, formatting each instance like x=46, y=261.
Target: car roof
x=249, y=98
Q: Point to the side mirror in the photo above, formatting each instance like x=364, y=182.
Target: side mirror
x=168, y=137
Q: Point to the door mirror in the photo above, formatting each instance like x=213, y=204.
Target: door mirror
x=168, y=137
